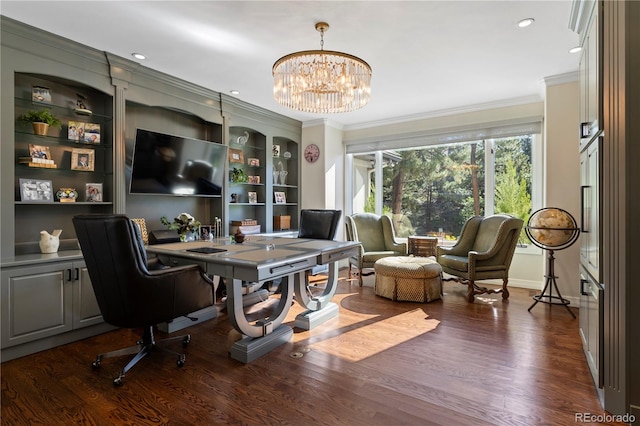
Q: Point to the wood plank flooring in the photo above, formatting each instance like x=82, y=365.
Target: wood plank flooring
x=379, y=363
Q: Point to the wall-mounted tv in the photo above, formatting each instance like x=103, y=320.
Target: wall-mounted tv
x=175, y=165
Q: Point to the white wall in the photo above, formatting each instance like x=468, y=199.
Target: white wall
x=562, y=177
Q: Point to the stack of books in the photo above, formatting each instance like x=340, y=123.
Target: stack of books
x=246, y=226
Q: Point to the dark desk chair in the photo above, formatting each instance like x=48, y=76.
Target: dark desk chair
x=319, y=224
x=129, y=291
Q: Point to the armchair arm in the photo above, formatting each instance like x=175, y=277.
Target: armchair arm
x=389, y=234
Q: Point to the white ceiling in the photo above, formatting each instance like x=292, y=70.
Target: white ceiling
x=427, y=56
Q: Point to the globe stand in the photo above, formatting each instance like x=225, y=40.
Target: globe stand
x=551, y=285
x=552, y=229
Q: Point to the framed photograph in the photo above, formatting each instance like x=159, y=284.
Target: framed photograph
x=253, y=197
x=253, y=179
x=253, y=162
x=280, y=197
x=75, y=131
x=236, y=156
x=91, y=133
x=41, y=94
x=39, y=152
x=36, y=190
x=93, y=192
x=276, y=150
x=205, y=232
x=82, y=159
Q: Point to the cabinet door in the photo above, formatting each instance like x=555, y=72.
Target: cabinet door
x=86, y=311
x=36, y=302
x=592, y=325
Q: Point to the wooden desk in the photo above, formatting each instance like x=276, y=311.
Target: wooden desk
x=422, y=246
x=261, y=259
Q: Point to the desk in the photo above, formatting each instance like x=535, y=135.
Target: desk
x=261, y=259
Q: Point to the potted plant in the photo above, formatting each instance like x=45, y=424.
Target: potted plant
x=41, y=120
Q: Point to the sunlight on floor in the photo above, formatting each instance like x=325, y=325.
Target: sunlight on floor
x=388, y=333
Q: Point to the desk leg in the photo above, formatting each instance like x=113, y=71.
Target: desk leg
x=320, y=308
x=265, y=335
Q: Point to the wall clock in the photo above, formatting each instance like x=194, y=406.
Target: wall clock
x=311, y=153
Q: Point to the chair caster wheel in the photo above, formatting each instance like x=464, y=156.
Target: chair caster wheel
x=117, y=382
x=186, y=340
x=96, y=364
x=180, y=361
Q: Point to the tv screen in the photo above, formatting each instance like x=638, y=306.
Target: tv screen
x=175, y=165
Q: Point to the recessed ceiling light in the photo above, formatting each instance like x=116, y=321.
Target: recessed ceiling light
x=234, y=92
x=138, y=56
x=526, y=22
x=575, y=49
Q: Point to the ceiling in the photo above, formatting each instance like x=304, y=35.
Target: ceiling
x=428, y=57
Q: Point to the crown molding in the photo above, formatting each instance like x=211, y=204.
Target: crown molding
x=569, y=77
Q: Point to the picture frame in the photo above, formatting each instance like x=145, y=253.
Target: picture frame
x=92, y=133
x=93, y=192
x=205, y=232
x=82, y=159
x=280, y=197
x=253, y=179
x=75, y=130
x=41, y=94
x=276, y=151
x=253, y=162
x=36, y=190
x=236, y=156
x=39, y=152
x=253, y=197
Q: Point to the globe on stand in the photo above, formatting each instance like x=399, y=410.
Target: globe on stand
x=552, y=229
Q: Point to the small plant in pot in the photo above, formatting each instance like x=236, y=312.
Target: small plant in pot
x=41, y=120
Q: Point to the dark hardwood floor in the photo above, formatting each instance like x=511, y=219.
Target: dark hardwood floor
x=379, y=363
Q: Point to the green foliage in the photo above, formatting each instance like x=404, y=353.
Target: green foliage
x=512, y=196
x=237, y=175
x=42, y=116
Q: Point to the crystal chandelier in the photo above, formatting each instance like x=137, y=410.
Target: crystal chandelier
x=321, y=81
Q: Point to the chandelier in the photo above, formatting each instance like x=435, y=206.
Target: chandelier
x=321, y=81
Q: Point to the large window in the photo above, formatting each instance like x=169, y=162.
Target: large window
x=433, y=190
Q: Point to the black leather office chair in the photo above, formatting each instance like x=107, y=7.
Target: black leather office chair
x=319, y=224
x=129, y=291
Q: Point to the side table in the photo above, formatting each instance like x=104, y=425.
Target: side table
x=422, y=246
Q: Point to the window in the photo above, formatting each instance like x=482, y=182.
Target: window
x=433, y=190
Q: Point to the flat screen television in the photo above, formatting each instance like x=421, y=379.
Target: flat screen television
x=174, y=165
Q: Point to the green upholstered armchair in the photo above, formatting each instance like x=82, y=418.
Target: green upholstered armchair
x=483, y=251
x=377, y=239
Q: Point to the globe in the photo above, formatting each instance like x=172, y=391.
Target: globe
x=552, y=228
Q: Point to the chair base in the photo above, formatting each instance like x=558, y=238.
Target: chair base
x=360, y=274
x=474, y=289
x=144, y=347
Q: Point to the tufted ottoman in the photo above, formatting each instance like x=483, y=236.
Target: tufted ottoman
x=408, y=278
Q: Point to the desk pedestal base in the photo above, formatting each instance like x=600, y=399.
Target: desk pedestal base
x=310, y=319
x=249, y=348
x=184, y=322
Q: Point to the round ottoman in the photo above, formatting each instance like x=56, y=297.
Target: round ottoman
x=408, y=278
